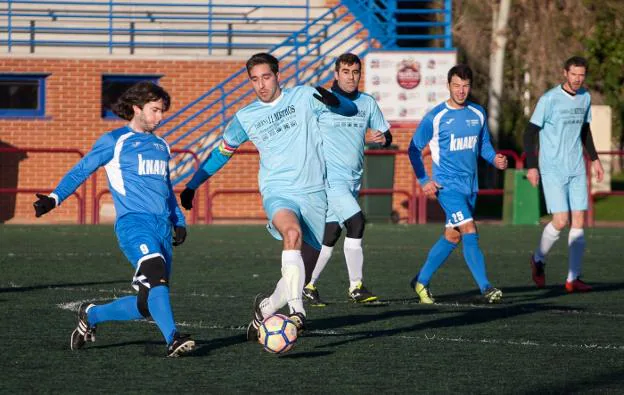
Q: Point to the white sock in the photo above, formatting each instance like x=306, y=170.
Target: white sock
x=324, y=255
x=277, y=300
x=293, y=271
x=549, y=236
x=355, y=260
x=576, y=249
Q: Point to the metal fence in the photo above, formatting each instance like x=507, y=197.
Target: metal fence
x=125, y=27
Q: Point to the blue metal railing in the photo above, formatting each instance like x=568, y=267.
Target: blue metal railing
x=390, y=22
x=306, y=65
x=112, y=24
x=306, y=58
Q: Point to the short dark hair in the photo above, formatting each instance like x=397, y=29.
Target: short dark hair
x=577, y=61
x=263, y=58
x=348, y=59
x=139, y=95
x=463, y=71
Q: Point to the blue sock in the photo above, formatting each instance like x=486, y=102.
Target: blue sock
x=437, y=256
x=122, y=309
x=160, y=309
x=474, y=259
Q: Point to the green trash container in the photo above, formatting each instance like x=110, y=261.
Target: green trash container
x=378, y=173
x=521, y=204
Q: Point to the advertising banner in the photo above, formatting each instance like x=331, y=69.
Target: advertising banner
x=408, y=84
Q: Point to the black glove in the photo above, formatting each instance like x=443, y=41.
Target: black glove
x=388, y=137
x=186, y=197
x=326, y=97
x=180, y=235
x=43, y=205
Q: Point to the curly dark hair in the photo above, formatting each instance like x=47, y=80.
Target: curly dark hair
x=138, y=95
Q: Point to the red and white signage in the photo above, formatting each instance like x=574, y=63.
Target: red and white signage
x=408, y=84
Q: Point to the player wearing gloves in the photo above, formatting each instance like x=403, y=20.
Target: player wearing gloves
x=343, y=146
x=148, y=216
x=283, y=125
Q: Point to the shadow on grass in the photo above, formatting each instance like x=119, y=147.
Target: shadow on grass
x=510, y=294
x=293, y=354
x=612, y=382
x=204, y=347
x=64, y=285
x=468, y=317
x=158, y=348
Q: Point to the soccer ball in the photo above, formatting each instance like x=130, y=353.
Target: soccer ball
x=277, y=334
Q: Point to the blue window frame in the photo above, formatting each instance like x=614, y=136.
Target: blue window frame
x=113, y=86
x=22, y=95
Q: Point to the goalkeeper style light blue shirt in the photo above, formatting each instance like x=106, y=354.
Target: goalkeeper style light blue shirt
x=137, y=166
x=456, y=137
x=344, y=137
x=561, y=116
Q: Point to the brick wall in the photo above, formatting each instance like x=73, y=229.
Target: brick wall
x=73, y=120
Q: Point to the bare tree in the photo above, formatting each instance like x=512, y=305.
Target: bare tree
x=500, y=17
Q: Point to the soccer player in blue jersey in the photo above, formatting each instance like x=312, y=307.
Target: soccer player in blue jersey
x=561, y=120
x=283, y=125
x=343, y=146
x=148, y=216
x=457, y=133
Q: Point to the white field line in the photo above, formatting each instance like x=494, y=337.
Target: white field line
x=115, y=291
x=73, y=306
x=529, y=343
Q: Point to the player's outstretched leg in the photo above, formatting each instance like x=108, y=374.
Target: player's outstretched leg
x=84, y=331
x=90, y=315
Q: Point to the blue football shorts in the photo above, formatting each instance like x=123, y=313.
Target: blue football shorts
x=458, y=207
x=142, y=237
x=342, y=201
x=309, y=208
x=564, y=193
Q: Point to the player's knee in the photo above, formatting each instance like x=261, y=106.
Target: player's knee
x=468, y=227
x=292, y=237
x=154, y=271
x=355, y=226
x=142, y=301
x=560, y=223
x=452, y=236
x=332, y=234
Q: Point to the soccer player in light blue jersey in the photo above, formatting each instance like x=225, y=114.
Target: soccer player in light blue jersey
x=457, y=133
x=561, y=119
x=343, y=146
x=137, y=166
x=283, y=125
